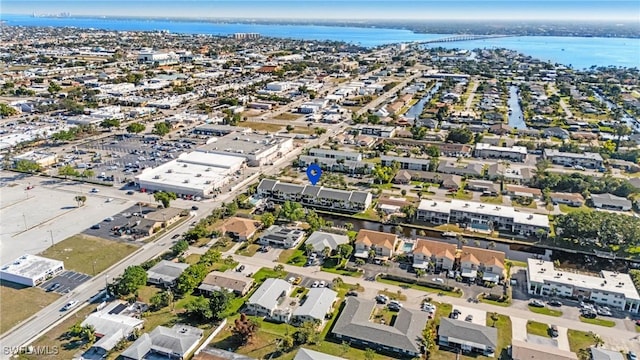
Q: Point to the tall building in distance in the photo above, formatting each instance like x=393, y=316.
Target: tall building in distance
x=246, y=36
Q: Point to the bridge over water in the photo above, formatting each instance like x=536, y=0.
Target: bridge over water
x=458, y=38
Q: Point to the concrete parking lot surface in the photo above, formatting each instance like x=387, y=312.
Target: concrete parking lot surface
x=33, y=219
x=479, y=316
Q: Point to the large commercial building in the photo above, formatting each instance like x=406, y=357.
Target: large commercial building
x=481, y=216
x=406, y=163
x=31, y=270
x=587, y=160
x=315, y=196
x=195, y=173
x=609, y=288
x=258, y=149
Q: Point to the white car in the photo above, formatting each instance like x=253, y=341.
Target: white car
x=395, y=303
x=70, y=305
x=440, y=280
x=94, y=190
x=315, y=284
x=322, y=284
x=291, y=280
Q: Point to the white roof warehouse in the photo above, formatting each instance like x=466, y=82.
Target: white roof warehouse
x=31, y=270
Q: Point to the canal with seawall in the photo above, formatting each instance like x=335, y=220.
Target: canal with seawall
x=516, y=117
x=416, y=110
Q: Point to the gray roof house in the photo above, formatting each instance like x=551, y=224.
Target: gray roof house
x=611, y=202
x=320, y=239
x=265, y=300
x=318, y=304
x=403, y=338
x=111, y=326
x=165, y=273
x=177, y=342
x=280, y=236
x=604, y=354
x=557, y=132
x=467, y=336
x=306, y=354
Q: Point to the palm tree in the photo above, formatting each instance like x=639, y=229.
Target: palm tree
x=420, y=272
x=491, y=245
x=326, y=252
x=308, y=249
x=372, y=254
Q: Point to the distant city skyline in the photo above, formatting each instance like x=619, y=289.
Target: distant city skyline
x=516, y=10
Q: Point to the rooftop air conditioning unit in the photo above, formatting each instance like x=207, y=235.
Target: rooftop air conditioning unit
x=169, y=171
x=186, y=181
x=198, y=175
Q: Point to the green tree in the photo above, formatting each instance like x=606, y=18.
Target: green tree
x=27, y=166
x=308, y=249
x=131, y=280
x=199, y=308
x=460, y=135
x=369, y=354
x=268, y=219
x=109, y=123
x=292, y=211
x=218, y=304
x=164, y=198
x=68, y=170
x=290, y=128
x=315, y=222
x=432, y=151
x=80, y=199
x=430, y=337
x=180, y=247
x=160, y=300
x=307, y=333
x=344, y=250
x=54, y=88
x=621, y=130
x=87, y=173
x=6, y=110
x=191, y=278
x=161, y=128
x=136, y=128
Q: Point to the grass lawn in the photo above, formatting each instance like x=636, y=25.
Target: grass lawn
x=419, y=287
x=265, y=273
x=538, y=328
x=504, y=333
x=331, y=265
x=19, y=302
x=545, y=311
x=298, y=258
x=287, y=116
x=249, y=250
x=517, y=263
x=531, y=205
x=570, y=209
x=81, y=252
x=495, y=302
x=598, y=321
x=192, y=259
x=580, y=339
x=384, y=316
x=461, y=195
x=398, y=295
x=261, y=126
x=491, y=199
x=369, y=214
x=54, y=337
x=442, y=310
x=222, y=246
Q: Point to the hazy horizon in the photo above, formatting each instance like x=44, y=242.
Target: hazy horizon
x=410, y=10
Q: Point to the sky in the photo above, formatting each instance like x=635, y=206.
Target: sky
x=606, y=10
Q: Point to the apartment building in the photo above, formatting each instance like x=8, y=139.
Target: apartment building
x=315, y=196
x=483, y=217
x=513, y=153
x=587, y=159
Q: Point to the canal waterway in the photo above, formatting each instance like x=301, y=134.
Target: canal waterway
x=516, y=117
x=416, y=110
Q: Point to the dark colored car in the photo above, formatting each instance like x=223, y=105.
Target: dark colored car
x=553, y=331
x=53, y=287
x=352, y=293
x=194, y=208
x=555, y=303
x=175, y=236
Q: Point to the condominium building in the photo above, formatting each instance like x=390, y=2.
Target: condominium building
x=514, y=153
x=587, y=159
x=315, y=196
x=608, y=287
x=481, y=216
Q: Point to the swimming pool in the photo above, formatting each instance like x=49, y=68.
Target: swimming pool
x=407, y=246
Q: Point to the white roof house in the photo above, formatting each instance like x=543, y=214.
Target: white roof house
x=320, y=239
x=266, y=299
x=31, y=270
x=306, y=354
x=318, y=304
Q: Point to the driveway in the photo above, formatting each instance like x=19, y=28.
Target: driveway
x=479, y=316
x=519, y=328
x=563, y=339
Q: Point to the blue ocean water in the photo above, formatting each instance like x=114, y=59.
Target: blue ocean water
x=579, y=52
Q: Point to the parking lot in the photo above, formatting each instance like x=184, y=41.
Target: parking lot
x=116, y=227
x=476, y=316
x=65, y=282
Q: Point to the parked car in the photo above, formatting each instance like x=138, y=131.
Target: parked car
x=94, y=190
x=395, y=303
x=109, y=219
x=130, y=192
x=96, y=227
x=315, y=284
x=175, y=236
x=297, y=280
x=556, y=303
x=352, y=293
x=589, y=314
x=53, y=287
x=536, y=303
x=240, y=268
x=440, y=280
x=454, y=314
x=382, y=299
x=469, y=318
x=322, y=284
x=553, y=331
x=194, y=208
x=632, y=355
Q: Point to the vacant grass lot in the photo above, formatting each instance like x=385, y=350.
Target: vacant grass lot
x=80, y=252
x=538, y=328
x=580, y=340
x=19, y=302
x=287, y=116
x=419, y=287
x=262, y=126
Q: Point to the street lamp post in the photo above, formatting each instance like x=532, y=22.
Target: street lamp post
x=51, y=233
